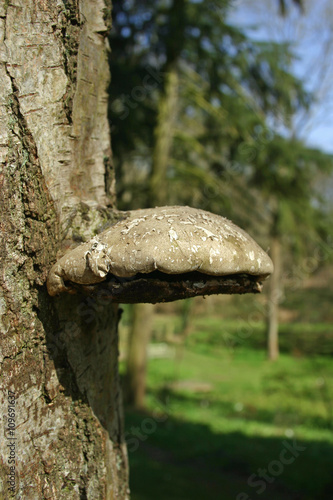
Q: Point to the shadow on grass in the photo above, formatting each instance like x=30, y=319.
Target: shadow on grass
x=248, y=412
x=180, y=460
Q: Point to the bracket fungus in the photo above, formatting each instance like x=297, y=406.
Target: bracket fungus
x=163, y=254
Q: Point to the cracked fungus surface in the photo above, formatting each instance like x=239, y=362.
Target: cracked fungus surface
x=177, y=240
x=173, y=240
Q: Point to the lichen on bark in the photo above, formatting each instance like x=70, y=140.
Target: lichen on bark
x=60, y=358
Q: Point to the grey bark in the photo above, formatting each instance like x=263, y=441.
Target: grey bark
x=58, y=356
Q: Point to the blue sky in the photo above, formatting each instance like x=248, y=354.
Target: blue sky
x=311, y=36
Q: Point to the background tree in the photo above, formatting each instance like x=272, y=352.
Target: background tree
x=59, y=357
x=140, y=330
x=285, y=4
x=287, y=171
x=227, y=84
x=189, y=135
x=163, y=137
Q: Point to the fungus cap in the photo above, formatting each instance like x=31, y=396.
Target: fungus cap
x=173, y=240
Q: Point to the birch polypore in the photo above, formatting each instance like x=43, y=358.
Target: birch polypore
x=165, y=244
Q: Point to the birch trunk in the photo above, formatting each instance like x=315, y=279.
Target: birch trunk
x=59, y=397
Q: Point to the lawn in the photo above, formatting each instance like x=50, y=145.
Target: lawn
x=224, y=423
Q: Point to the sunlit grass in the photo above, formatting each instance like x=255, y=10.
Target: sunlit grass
x=210, y=441
x=220, y=411
x=245, y=388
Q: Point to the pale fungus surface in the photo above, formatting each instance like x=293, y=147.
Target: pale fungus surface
x=173, y=240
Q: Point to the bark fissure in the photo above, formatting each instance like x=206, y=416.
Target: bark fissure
x=69, y=36
x=5, y=18
x=37, y=206
x=25, y=136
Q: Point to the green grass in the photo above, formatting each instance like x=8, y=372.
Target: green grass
x=249, y=331
x=298, y=338
x=206, y=445
x=219, y=412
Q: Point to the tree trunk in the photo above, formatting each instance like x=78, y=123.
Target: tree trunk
x=142, y=313
x=140, y=333
x=62, y=431
x=274, y=293
x=163, y=139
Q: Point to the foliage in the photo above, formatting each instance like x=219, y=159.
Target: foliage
x=212, y=128
x=284, y=5
x=231, y=88
x=234, y=96
x=286, y=172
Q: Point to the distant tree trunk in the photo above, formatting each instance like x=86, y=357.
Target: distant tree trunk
x=140, y=333
x=158, y=190
x=164, y=135
x=142, y=314
x=60, y=400
x=186, y=317
x=274, y=293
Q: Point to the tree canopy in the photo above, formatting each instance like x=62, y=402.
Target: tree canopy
x=202, y=114
x=230, y=91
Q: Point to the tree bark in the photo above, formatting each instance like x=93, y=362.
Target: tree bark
x=58, y=358
x=274, y=292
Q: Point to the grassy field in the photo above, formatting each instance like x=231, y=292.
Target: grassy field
x=224, y=423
